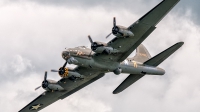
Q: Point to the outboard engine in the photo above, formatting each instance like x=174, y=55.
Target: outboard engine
x=120, y=31
x=50, y=85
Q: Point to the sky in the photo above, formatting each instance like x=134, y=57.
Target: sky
x=33, y=33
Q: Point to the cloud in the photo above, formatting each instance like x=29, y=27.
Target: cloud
x=136, y=6
x=19, y=64
x=33, y=36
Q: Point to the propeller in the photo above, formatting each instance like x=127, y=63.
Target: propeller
x=44, y=83
x=114, y=22
x=37, y=88
x=54, y=70
x=91, y=41
x=93, y=44
x=115, y=28
x=108, y=35
x=61, y=71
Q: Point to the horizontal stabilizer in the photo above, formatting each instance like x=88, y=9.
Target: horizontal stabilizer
x=156, y=60
x=127, y=82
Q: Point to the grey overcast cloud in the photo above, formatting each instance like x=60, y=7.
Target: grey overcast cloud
x=33, y=33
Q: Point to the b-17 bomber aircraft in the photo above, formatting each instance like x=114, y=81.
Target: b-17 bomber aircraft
x=93, y=64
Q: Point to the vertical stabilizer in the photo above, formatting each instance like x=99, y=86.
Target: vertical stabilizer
x=142, y=54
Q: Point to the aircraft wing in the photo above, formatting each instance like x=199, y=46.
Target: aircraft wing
x=141, y=29
x=47, y=98
x=41, y=101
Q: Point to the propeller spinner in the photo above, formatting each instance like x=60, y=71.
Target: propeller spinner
x=62, y=71
x=94, y=45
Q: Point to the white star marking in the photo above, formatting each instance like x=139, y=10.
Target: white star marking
x=36, y=107
x=126, y=62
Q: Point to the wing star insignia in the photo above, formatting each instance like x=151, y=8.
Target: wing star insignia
x=36, y=107
x=126, y=62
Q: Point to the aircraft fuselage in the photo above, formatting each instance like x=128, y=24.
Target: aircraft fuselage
x=83, y=56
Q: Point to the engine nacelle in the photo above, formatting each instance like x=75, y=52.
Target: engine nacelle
x=69, y=74
x=100, y=47
x=71, y=60
x=121, y=31
x=104, y=49
x=51, y=85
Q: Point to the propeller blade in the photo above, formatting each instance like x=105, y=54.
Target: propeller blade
x=64, y=65
x=45, y=76
x=37, y=88
x=108, y=35
x=114, y=22
x=90, y=39
x=54, y=70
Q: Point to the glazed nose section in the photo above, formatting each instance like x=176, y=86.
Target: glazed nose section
x=66, y=55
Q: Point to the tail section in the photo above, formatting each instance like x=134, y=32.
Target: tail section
x=142, y=54
x=156, y=60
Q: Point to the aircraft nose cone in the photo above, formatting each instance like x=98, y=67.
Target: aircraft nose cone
x=65, y=55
